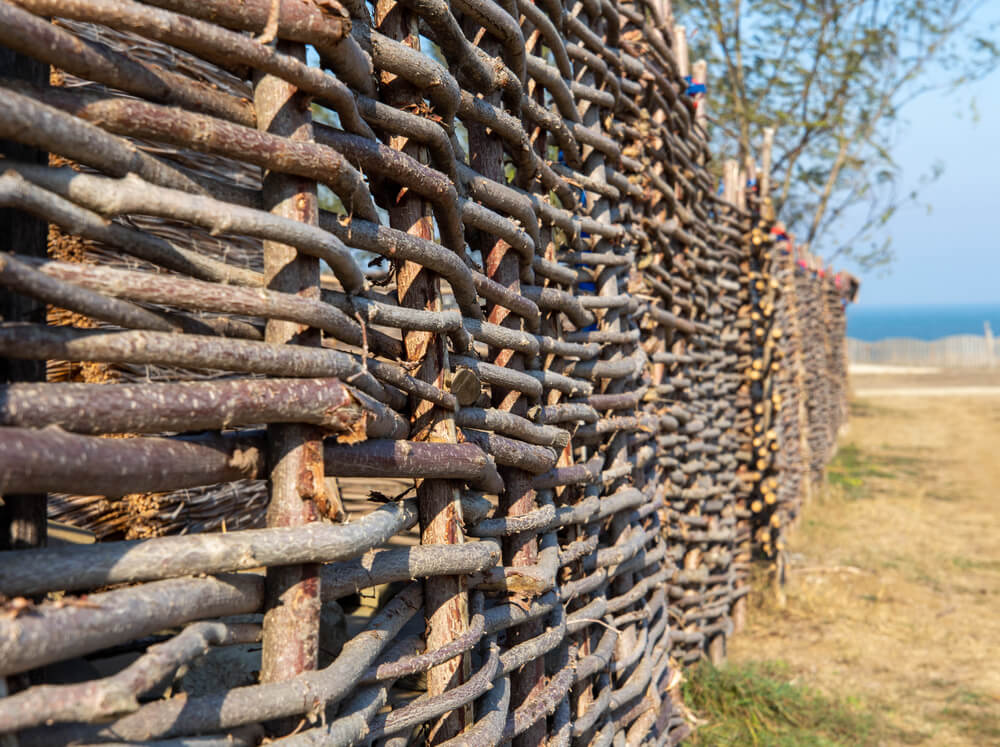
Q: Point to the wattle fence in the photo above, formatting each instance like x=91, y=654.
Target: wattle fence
x=384, y=374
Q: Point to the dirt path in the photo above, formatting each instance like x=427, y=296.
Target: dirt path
x=893, y=593
x=875, y=393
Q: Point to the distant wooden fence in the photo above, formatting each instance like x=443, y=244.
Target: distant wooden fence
x=964, y=351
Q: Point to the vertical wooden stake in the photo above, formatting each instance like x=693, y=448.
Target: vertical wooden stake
x=446, y=603
x=681, y=50
x=730, y=181
x=765, y=163
x=22, y=517
x=291, y=620
x=700, y=75
x=750, y=174
x=798, y=363
x=502, y=265
x=666, y=10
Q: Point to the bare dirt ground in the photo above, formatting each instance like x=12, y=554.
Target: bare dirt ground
x=874, y=382
x=893, y=593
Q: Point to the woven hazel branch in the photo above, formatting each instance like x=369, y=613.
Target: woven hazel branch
x=117, y=694
x=18, y=192
x=30, y=35
x=112, y=197
x=267, y=701
x=211, y=41
x=192, y=406
x=160, y=464
x=115, y=617
x=28, y=572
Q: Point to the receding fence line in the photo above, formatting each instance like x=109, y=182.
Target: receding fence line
x=401, y=361
x=955, y=351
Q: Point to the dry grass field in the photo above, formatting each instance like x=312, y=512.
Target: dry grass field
x=889, y=623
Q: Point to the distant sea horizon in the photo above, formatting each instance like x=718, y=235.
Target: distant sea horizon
x=920, y=322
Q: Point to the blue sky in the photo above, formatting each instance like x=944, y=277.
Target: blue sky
x=952, y=254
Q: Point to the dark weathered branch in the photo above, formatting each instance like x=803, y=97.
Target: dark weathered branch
x=513, y=453
x=397, y=377
x=51, y=459
x=190, y=351
x=534, y=521
x=211, y=42
x=564, y=384
x=28, y=121
x=518, y=655
x=376, y=158
x=422, y=459
x=553, y=298
x=498, y=294
x=502, y=377
x=389, y=314
x=568, y=412
x=399, y=245
x=324, y=26
x=34, y=36
x=546, y=702
x=187, y=406
x=512, y=425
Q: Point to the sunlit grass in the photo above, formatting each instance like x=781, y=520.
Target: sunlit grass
x=756, y=705
x=889, y=609
x=852, y=469
x=975, y=714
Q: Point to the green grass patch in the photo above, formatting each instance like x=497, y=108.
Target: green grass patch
x=974, y=564
x=943, y=496
x=852, y=468
x=857, y=409
x=756, y=705
x=976, y=715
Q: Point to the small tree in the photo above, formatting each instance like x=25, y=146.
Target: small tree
x=830, y=76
